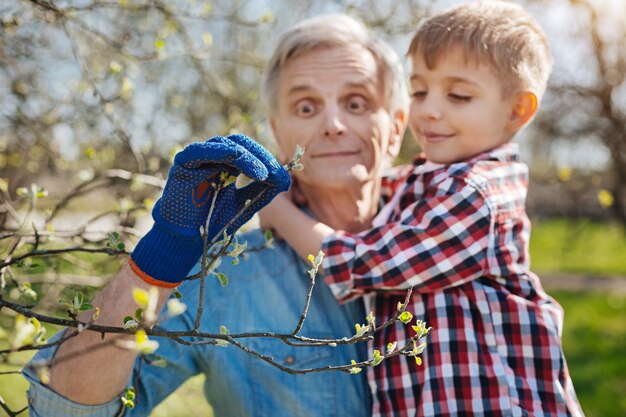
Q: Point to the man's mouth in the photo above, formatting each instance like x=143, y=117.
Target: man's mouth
x=334, y=154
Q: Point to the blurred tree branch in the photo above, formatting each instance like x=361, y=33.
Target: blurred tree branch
x=588, y=104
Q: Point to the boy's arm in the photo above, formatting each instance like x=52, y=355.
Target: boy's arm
x=438, y=242
x=304, y=234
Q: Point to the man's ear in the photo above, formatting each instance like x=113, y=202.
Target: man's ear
x=397, y=133
x=524, y=108
x=282, y=152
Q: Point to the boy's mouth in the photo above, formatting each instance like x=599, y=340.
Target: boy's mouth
x=434, y=137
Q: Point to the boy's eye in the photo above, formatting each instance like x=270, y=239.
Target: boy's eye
x=460, y=97
x=305, y=108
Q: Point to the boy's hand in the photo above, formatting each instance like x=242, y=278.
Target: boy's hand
x=169, y=250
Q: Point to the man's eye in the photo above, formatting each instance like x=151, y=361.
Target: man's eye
x=357, y=104
x=305, y=108
x=420, y=94
x=460, y=97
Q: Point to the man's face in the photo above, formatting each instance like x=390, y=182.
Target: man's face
x=330, y=101
x=457, y=108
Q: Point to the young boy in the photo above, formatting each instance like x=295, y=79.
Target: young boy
x=456, y=231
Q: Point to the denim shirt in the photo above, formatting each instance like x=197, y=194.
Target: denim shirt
x=266, y=292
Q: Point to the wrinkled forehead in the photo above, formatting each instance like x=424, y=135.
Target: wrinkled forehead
x=320, y=67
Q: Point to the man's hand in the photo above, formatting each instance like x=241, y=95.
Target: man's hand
x=170, y=249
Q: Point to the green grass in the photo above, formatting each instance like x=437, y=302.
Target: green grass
x=187, y=400
x=13, y=387
x=579, y=247
x=594, y=337
x=594, y=342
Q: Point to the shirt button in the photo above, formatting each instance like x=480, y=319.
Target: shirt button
x=289, y=360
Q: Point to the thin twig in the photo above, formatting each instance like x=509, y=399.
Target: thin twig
x=204, y=252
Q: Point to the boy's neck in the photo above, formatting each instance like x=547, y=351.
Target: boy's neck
x=348, y=209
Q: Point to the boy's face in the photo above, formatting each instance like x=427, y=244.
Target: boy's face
x=330, y=101
x=458, y=109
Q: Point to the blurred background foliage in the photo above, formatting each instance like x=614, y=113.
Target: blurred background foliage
x=93, y=85
x=96, y=96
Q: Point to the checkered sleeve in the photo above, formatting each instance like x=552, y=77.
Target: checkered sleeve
x=438, y=241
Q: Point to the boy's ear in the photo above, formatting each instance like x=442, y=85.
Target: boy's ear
x=397, y=134
x=524, y=108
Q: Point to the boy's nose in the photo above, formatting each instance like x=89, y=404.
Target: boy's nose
x=430, y=108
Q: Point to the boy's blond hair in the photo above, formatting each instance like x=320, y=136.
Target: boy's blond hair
x=499, y=33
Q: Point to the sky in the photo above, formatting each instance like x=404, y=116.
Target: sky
x=557, y=19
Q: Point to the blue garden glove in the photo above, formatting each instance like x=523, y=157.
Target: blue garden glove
x=166, y=254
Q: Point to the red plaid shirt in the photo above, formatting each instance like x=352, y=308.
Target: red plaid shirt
x=459, y=235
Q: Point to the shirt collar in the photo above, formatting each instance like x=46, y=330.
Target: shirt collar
x=506, y=152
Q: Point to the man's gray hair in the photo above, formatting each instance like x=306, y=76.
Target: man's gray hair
x=330, y=31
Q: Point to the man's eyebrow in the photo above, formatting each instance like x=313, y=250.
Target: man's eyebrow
x=298, y=88
x=367, y=84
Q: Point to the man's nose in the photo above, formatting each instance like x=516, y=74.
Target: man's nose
x=334, y=126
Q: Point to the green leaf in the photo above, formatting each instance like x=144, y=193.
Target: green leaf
x=354, y=369
x=378, y=358
x=127, y=319
x=405, y=317
x=128, y=403
x=222, y=278
x=158, y=361
x=419, y=349
x=112, y=239
x=361, y=329
x=85, y=307
x=79, y=298
x=177, y=294
x=139, y=314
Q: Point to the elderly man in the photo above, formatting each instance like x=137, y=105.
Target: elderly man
x=341, y=93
